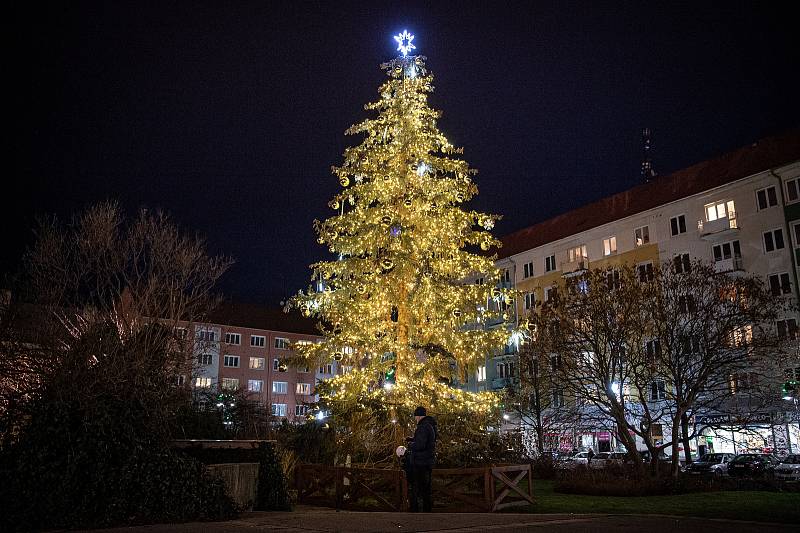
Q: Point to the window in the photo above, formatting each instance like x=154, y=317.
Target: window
x=180, y=380
x=689, y=345
x=300, y=410
x=280, y=387
x=612, y=279
x=255, y=385
x=233, y=338
x=773, y=240
x=652, y=349
x=505, y=370
x=645, y=271
x=481, y=373
x=727, y=250
x=742, y=336
x=278, y=409
x=257, y=363
x=678, y=225
x=779, y=284
x=326, y=369
x=180, y=333
x=787, y=329
x=258, y=341
x=682, y=263
x=555, y=363
x=796, y=235
x=207, y=335
x=205, y=359
x=230, y=383
x=766, y=198
x=641, y=236
x=658, y=390
x=742, y=381
x=277, y=366
x=550, y=293
x=610, y=245
x=282, y=343
x=527, y=270
x=231, y=361
x=479, y=281
x=550, y=263
x=686, y=303
x=530, y=301
x=303, y=388
x=792, y=190
x=720, y=210
x=558, y=398
x=202, y=383
x=578, y=253
x=507, y=275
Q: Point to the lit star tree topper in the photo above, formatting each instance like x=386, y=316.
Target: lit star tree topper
x=397, y=299
x=404, y=42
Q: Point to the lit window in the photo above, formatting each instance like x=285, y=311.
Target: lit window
x=278, y=409
x=303, y=389
x=280, y=387
x=257, y=363
x=230, y=383
x=641, y=235
x=255, y=385
x=609, y=245
x=720, y=210
x=202, y=383
x=481, y=373
x=578, y=253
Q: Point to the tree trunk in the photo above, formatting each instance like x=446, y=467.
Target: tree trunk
x=687, y=450
x=676, y=439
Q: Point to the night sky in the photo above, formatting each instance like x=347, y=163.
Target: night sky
x=229, y=115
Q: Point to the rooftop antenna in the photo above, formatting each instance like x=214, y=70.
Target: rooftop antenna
x=648, y=174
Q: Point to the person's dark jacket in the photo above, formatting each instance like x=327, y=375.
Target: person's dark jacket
x=423, y=445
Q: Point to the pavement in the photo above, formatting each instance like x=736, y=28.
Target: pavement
x=312, y=520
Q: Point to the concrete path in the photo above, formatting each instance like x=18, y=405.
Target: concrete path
x=313, y=520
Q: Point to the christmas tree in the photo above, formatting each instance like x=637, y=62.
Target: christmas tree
x=399, y=306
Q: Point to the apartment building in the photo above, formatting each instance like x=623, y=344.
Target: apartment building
x=246, y=347
x=740, y=211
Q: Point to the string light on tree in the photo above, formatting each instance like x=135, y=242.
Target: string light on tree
x=398, y=296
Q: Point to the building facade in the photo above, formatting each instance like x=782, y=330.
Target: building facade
x=247, y=347
x=740, y=211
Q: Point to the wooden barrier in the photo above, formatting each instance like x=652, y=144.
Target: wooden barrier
x=241, y=481
x=454, y=489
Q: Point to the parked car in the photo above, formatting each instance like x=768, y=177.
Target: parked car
x=715, y=464
x=573, y=461
x=789, y=469
x=752, y=465
x=607, y=459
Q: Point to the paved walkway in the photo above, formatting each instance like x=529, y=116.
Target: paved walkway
x=313, y=520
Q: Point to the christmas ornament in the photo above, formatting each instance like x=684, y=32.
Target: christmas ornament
x=344, y=181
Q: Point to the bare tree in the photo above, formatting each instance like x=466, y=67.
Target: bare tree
x=715, y=330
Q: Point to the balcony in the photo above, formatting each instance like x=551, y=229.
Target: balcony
x=734, y=264
x=575, y=268
x=502, y=383
x=720, y=227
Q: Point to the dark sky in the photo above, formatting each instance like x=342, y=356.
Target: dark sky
x=229, y=115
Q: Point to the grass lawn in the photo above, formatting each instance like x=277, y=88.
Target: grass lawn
x=737, y=505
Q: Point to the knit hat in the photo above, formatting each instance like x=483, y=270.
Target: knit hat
x=420, y=411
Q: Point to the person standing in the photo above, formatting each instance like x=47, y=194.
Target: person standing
x=423, y=456
x=590, y=455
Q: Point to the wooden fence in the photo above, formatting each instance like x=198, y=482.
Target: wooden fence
x=488, y=488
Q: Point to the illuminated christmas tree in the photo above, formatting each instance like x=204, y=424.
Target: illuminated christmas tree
x=399, y=306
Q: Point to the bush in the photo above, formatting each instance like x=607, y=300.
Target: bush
x=544, y=467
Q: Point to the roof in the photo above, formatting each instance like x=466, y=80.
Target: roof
x=762, y=155
x=258, y=317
